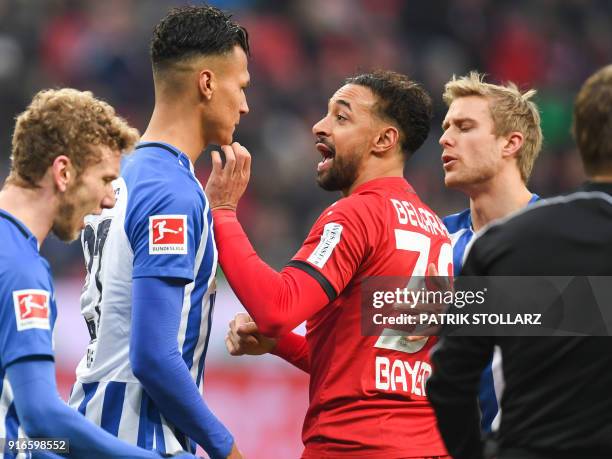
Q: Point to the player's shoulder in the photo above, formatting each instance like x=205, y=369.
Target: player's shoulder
x=19, y=247
x=23, y=273
x=355, y=208
x=158, y=169
x=457, y=222
x=156, y=180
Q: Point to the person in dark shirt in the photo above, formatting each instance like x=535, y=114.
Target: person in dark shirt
x=557, y=399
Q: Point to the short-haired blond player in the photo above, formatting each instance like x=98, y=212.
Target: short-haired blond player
x=491, y=139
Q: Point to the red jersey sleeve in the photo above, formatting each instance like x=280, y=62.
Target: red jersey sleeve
x=278, y=302
x=294, y=349
x=335, y=246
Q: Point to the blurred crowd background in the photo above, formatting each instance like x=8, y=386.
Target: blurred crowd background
x=301, y=52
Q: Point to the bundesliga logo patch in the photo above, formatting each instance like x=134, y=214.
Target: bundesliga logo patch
x=168, y=235
x=31, y=309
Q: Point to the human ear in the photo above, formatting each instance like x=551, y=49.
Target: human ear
x=513, y=143
x=386, y=139
x=206, y=83
x=63, y=172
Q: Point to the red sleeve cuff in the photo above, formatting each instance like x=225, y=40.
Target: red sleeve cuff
x=221, y=216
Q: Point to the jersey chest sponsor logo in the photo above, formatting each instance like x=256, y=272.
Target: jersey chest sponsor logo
x=394, y=375
x=168, y=235
x=32, y=309
x=329, y=240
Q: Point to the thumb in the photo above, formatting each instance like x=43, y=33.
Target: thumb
x=247, y=328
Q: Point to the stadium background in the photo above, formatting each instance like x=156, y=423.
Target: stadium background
x=301, y=52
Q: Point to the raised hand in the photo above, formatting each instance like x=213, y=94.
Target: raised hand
x=226, y=184
x=243, y=337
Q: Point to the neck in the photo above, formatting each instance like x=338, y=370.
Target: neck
x=35, y=208
x=174, y=124
x=496, y=199
x=376, y=168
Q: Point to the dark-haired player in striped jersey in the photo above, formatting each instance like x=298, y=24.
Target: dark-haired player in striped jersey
x=149, y=296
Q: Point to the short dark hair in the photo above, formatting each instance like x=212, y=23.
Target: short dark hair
x=402, y=101
x=593, y=122
x=195, y=30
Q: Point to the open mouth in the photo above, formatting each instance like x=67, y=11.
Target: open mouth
x=327, y=154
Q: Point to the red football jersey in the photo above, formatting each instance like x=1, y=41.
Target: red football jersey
x=367, y=393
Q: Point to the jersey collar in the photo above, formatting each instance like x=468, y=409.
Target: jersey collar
x=384, y=182
x=21, y=227
x=183, y=159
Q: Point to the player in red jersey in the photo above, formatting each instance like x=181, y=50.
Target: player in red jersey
x=367, y=396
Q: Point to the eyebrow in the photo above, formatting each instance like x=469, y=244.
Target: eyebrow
x=446, y=123
x=344, y=103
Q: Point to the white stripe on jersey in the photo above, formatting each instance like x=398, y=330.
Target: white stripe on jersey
x=172, y=444
x=77, y=395
x=93, y=410
x=499, y=382
x=205, y=306
x=454, y=237
x=21, y=434
x=6, y=398
x=130, y=414
x=182, y=334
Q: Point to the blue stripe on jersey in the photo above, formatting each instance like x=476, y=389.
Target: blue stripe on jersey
x=194, y=320
x=213, y=296
x=160, y=444
x=487, y=399
x=145, y=428
x=112, y=407
x=89, y=390
x=459, y=250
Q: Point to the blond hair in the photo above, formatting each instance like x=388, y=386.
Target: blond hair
x=511, y=111
x=65, y=122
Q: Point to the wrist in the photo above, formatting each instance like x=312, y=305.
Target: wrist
x=223, y=207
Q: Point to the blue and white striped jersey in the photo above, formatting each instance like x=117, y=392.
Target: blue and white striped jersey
x=161, y=226
x=27, y=314
x=459, y=226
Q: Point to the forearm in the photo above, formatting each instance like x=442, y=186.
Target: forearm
x=278, y=302
x=45, y=415
x=294, y=349
x=182, y=404
x=161, y=370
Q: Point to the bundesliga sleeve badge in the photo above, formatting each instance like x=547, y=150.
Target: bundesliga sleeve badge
x=32, y=309
x=168, y=235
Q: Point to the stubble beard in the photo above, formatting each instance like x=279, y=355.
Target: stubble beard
x=341, y=175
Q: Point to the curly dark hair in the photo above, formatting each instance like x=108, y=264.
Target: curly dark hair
x=402, y=101
x=195, y=30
